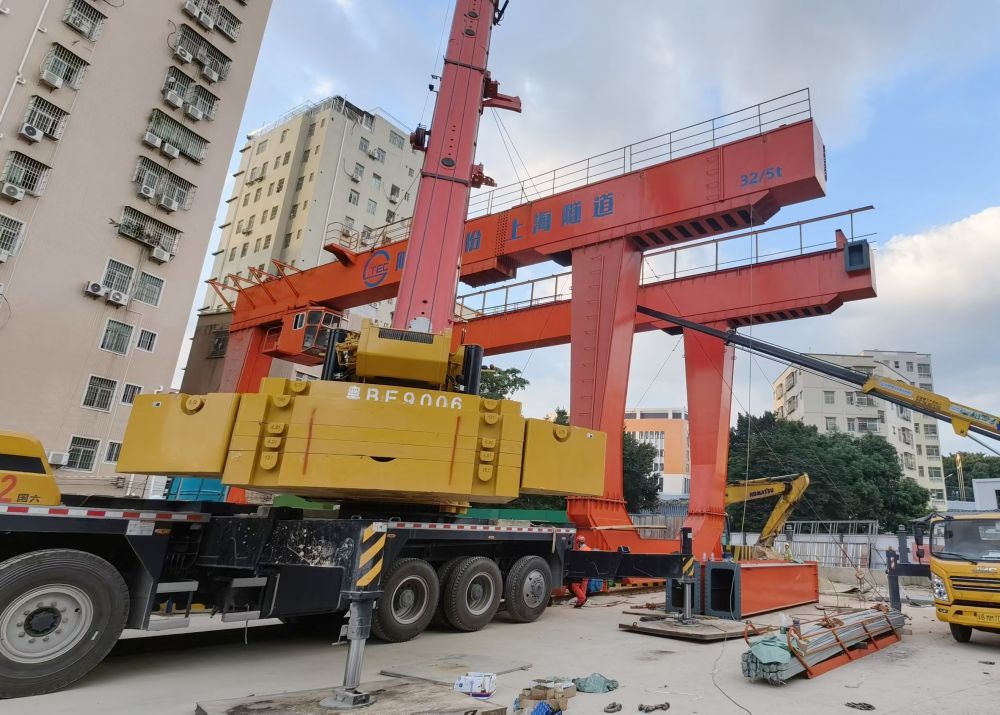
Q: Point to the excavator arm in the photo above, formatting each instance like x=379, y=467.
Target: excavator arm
x=789, y=488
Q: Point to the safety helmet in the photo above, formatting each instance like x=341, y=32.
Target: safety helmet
x=581, y=540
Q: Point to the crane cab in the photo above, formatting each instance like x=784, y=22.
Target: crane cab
x=303, y=336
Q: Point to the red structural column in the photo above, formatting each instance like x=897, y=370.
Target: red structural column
x=605, y=286
x=245, y=364
x=708, y=364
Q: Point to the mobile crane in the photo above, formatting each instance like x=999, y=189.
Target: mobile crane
x=395, y=431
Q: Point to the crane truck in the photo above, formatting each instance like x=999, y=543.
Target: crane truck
x=395, y=431
x=964, y=566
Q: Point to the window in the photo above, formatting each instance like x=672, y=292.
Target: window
x=146, y=341
x=923, y=369
x=831, y=424
x=82, y=453
x=868, y=424
x=263, y=216
x=359, y=171
x=395, y=139
x=114, y=449
x=779, y=391
x=288, y=240
x=149, y=288
x=312, y=129
x=202, y=99
x=363, y=145
x=84, y=18
x=274, y=212
x=790, y=381
x=909, y=461
x=881, y=417
x=937, y=494
x=232, y=254
x=916, y=428
x=239, y=226
x=46, y=117
x=792, y=403
x=23, y=171
x=909, y=366
x=354, y=197
x=305, y=155
x=10, y=233
x=926, y=386
x=117, y=337
x=406, y=196
x=390, y=216
x=164, y=182
x=372, y=207
x=148, y=230
x=316, y=150
x=410, y=171
x=311, y=174
x=250, y=223
x=919, y=450
x=394, y=193
x=850, y=424
x=286, y=159
x=934, y=473
x=284, y=134
x=117, y=275
x=933, y=450
x=270, y=188
x=246, y=199
x=257, y=193
x=930, y=430
x=906, y=435
x=261, y=148
x=173, y=132
x=293, y=212
x=349, y=222
x=267, y=241
x=866, y=369
x=381, y=155
x=256, y=246
x=65, y=65
x=281, y=185
x=243, y=251
x=920, y=470
x=100, y=392
x=828, y=397
x=299, y=182
x=895, y=364
x=376, y=181
x=220, y=341
x=129, y=393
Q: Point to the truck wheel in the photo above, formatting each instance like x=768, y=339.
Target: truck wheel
x=961, y=633
x=408, y=602
x=62, y=611
x=527, y=589
x=443, y=572
x=472, y=595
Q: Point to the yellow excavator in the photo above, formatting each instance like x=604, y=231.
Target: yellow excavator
x=790, y=489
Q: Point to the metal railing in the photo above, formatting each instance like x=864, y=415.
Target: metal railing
x=340, y=234
x=748, y=248
x=723, y=129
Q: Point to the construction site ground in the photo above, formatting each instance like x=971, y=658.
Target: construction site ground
x=168, y=673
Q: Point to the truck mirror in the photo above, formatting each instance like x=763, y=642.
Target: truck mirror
x=918, y=535
x=920, y=552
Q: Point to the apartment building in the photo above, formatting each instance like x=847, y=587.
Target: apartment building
x=666, y=428
x=830, y=406
x=116, y=127
x=325, y=172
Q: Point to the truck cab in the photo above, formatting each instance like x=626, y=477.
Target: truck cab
x=965, y=571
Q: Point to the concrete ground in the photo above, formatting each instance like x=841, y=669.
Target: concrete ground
x=927, y=672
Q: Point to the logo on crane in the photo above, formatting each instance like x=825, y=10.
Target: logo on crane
x=376, y=268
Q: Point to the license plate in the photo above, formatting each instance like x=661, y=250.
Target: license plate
x=988, y=618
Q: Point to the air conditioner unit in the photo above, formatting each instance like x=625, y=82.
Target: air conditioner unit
x=355, y=178
x=31, y=132
x=4, y=257
x=210, y=74
x=247, y=231
x=117, y=297
x=12, y=192
x=168, y=204
x=183, y=55
x=346, y=232
x=51, y=79
x=372, y=154
x=94, y=288
x=152, y=140
x=394, y=199
x=159, y=255
x=147, y=192
x=173, y=98
x=206, y=21
x=193, y=112
x=191, y=8
x=170, y=150
x=81, y=24
x=58, y=459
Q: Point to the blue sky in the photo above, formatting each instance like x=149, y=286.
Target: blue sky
x=905, y=95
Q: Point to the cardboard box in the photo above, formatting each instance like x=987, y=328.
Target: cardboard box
x=478, y=685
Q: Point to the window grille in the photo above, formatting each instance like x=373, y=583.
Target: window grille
x=148, y=289
x=84, y=18
x=25, y=172
x=147, y=230
x=45, y=116
x=10, y=233
x=130, y=393
x=228, y=24
x=372, y=207
x=118, y=275
x=114, y=449
x=220, y=340
x=203, y=51
x=380, y=153
x=100, y=392
x=173, y=132
x=395, y=139
x=165, y=182
x=64, y=64
x=117, y=337
x=177, y=81
x=146, y=341
x=354, y=197
x=82, y=453
x=204, y=100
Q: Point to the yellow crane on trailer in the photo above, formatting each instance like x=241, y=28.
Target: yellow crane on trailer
x=790, y=489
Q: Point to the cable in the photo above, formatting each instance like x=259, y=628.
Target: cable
x=527, y=173
x=504, y=142
x=444, y=29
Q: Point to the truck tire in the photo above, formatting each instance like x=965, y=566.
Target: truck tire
x=961, y=633
x=61, y=611
x=527, y=589
x=408, y=602
x=443, y=572
x=472, y=595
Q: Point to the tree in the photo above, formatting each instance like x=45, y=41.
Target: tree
x=975, y=465
x=642, y=491
x=562, y=416
x=850, y=478
x=500, y=384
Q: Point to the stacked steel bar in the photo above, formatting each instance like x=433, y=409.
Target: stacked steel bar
x=817, y=642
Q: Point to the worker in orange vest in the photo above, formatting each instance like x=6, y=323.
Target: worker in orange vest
x=579, y=588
